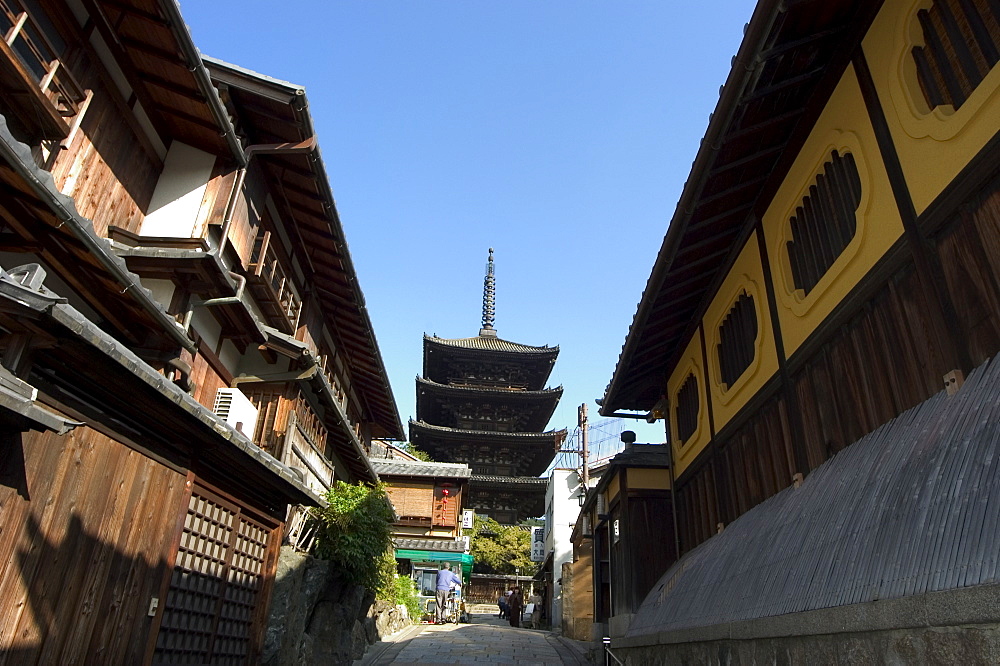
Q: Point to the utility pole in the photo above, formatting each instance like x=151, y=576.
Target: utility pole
x=585, y=454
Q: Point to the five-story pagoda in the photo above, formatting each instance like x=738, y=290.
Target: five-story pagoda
x=482, y=401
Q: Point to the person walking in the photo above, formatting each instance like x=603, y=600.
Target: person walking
x=515, y=604
x=446, y=580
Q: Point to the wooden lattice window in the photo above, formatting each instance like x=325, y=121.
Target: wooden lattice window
x=825, y=222
x=211, y=613
x=687, y=409
x=961, y=39
x=737, y=335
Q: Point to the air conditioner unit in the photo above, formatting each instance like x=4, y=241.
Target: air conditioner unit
x=236, y=409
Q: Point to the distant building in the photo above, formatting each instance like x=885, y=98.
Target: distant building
x=482, y=401
x=428, y=500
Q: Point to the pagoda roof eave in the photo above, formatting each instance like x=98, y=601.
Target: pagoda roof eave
x=509, y=437
x=531, y=483
x=514, y=394
x=491, y=345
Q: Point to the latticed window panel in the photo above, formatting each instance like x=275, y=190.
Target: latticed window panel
x=825, y=222
x=687, y=409
x=737, y=335
x=214, y=590
x=961, y=46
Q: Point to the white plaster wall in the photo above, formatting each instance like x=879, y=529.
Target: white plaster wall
x=174, y=206
x=561, y=496
x=208, y=328
x=161, y=290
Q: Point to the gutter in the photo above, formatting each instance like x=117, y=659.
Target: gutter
x=19, y=157
x=321, y=388
x=197, y=67
x=744, y=67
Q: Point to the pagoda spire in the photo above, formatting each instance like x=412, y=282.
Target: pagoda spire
x=489, y=300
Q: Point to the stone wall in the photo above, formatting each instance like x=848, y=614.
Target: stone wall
x=951, y=627
x=316, y=617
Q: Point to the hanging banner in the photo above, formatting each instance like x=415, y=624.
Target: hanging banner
x=467, y=517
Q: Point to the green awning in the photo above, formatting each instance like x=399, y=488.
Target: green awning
x=438, y=556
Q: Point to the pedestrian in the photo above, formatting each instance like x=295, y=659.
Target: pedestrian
x=502, y=603
x=515, y=604
x=446, y=580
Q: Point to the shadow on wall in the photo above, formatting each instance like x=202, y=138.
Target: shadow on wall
x=75, y=599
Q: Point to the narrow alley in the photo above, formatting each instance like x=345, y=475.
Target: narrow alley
x=486, y=639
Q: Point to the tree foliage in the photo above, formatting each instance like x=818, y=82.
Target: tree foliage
x=417, y=453
x=355, y=534
x=502, y=549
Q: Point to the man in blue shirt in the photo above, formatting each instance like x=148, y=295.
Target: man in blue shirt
x=446, y=580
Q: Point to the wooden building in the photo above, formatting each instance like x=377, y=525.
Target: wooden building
x=185, y=349
x=428, y=500
x=832, y=263
x=482, y=401
x=622, y=539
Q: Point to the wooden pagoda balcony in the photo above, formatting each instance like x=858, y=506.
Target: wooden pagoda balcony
x=34, y=77
x=271, y=286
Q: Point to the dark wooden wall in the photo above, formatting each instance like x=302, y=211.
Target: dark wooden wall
x=876, y=358
x=86, y=536
x=113, y=169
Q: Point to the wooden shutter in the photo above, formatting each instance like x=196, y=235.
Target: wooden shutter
x=412, y=500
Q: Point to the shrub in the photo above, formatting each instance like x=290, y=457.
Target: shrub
x=355, y=534
x=406, y=595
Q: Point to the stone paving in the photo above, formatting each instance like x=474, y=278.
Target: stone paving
x=485, y=640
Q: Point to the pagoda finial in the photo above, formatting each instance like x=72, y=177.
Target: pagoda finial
x=489, y=300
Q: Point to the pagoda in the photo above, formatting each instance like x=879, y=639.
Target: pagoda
x=482, y=401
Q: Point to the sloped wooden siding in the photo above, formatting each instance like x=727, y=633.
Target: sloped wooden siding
x=87, y=529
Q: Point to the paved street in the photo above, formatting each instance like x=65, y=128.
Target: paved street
x=486, y=639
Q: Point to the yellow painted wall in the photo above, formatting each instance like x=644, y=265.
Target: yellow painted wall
x=648, y=478
x=933, y=145
x=690, y=364
x=747, y=274
x=843, y=126
x=614, y=486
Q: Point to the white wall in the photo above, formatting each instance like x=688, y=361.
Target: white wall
x=561, y=496
x=173, y=210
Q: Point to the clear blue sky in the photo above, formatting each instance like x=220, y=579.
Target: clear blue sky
x=559, y=133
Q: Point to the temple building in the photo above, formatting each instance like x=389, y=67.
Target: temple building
x=482, y=401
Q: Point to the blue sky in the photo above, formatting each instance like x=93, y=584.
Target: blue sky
x=559, y=133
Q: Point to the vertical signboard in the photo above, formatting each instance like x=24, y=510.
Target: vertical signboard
x=538, y=544
x=467, y=517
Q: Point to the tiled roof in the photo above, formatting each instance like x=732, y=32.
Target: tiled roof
x=910, y=508
x=491, y=344
x=487, y=479
x=429, y=544
x=504, y=393
x=420, y=468
x=547, y=435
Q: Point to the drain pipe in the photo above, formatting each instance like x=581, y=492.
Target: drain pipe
x=225, y=300
x=227, y=217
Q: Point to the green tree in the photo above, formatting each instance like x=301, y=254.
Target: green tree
x=502, y=549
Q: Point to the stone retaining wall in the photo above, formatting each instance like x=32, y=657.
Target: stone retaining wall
x=316, y=617
x=952, y=627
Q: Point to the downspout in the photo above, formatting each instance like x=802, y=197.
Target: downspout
x=225, y=300
x=227, y=217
